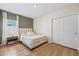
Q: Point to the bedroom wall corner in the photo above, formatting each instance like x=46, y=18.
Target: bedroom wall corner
x=42, y=26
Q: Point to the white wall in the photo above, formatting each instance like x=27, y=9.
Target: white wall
x=42, y=25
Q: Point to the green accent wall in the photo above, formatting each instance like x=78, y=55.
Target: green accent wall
x=25, y=22
x=0, y=26
x=11, y=16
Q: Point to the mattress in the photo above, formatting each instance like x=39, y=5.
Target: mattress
x=36, y=38
x=33, y=40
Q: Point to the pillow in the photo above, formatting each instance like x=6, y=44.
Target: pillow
x=30, y=33
x=23, y=34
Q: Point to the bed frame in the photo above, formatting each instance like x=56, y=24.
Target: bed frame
x=25, y=30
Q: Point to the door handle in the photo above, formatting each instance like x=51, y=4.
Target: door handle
x=76, y=33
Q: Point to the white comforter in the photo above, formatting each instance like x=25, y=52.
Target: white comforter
x=29, y=39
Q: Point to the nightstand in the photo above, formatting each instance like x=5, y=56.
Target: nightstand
x=11, y=40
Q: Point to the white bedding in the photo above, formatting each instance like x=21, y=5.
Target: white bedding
x=35, y=37
x=26, y=39
x=31, y=39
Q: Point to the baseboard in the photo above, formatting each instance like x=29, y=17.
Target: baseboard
x=65, y=46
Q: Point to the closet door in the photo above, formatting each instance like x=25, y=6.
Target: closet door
x=77, y=31
x=58, y=31
x=75, y=41
x=65, y=30
x=69, y=31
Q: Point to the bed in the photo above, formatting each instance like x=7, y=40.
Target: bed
x=31, y=39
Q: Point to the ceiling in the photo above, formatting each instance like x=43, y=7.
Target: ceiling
x=27, y=9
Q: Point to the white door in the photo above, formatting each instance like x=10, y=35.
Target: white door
x=58, y=31
x=77, y=31
x=64, y=30
x=69, y=32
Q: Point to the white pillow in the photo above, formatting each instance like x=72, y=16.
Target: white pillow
x=30, y=33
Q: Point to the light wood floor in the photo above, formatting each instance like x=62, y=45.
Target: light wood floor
x=46, y=49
